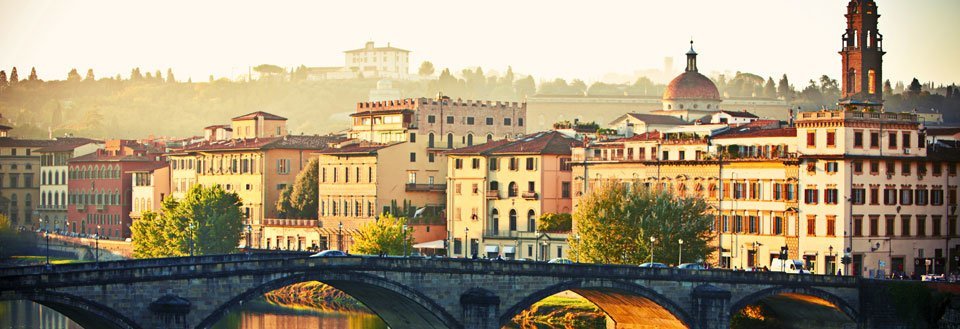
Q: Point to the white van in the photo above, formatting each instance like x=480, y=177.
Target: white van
x=787, y=266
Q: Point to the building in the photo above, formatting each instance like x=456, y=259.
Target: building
x=20, y=179
x=381, y=62
x=394, y=162
x=731, y=117
x=497, y=191
x=151, y=185
x=691, y=94
x=862, y=55
x=637, y=123
x=384, y=91
x=54, y=180
x=100, y=188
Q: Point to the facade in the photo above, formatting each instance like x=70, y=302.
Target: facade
x=382, y=62
x=20, y=180
x=637, y=123
x=150, y=187
x=862, y=55
x=731, y=117
x=394, y=162
x=54, y=180
x=497, y=191
x=100, y=188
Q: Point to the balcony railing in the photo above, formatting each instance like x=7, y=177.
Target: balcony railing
x=290, y=222
x=530, y=195
x=514, y=234
x=426, y=187
x=493, y=195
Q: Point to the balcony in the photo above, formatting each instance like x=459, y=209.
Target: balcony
x=514, y=234
x=411, y=187
x=530, y=195
x=493, y=195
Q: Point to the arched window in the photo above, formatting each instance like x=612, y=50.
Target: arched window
x=430, y=140
x=872, y=81
x=681, y=106
x=450, y=140
x=469, y=139
x=851, y=80
x=513, y=219
x=489, y=137
x=43, y=198
x=494, y=220
x=531, y=221
x=513, y=189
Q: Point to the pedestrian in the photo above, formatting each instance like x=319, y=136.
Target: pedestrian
x=839, y=272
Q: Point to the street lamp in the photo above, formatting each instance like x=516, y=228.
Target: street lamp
x=299, y=244
x=653, y=241
x=680, y=253
x=466, y=237
x=340, y=237
x=47, y=236
x=97, y=245
x=249, y=235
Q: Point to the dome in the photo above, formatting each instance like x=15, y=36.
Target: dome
x=691, y=85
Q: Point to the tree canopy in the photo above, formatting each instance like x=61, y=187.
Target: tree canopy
x=616, y=221
x=207, y=220
x=383, y=236
x=300, y=200
x=426, y=69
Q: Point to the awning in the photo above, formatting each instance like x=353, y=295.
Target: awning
x=509, y=250
x=492, y=249
x=438, y=244
x=810, y=253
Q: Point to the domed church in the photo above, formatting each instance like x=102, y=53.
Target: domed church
x=690, y=94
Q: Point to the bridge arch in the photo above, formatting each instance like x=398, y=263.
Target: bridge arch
x=610, y=296
x=398, y=305
x=823, y=295
x=84, y=312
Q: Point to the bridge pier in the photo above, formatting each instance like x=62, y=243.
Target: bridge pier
x=481, y=309
x=710, y=306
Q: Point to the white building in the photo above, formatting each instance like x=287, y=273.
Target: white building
x=381, y=62
x=53, y=178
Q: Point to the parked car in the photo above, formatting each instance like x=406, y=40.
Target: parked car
x=654, y=265
x=560, y=261
x=330, y=253
x=692, y=266
x=787, y=266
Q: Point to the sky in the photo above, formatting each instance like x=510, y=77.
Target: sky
x=548, y=39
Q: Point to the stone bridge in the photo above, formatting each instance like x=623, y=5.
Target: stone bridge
x=195, y=292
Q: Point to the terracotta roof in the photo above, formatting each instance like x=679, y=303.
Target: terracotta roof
x=253, y=115
x=756, y=133
x=2, y=127
x=364, y=148
x=16, y=142
x=380, y=112
x=114, y=158
x=67, y=144
x=943, y=131
x=653, y=119
x=648, y=136
x=691, y=85
x=286, y=142
x=549, y=142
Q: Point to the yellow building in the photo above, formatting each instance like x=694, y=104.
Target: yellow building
x=496, y=192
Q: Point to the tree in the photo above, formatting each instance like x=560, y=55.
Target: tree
x=915, y=87
x=90, y=76
x=3, y=78
x=157, y=76
x=783, y=89
x=384, y=236
x=207, y=221
x=615, y=223
x=300, y=200
x=887, y=89
x=268, y=69
x=551, y=222
x=426, y=69
x=14, y=79
x=33, y=74
x=170, y=78
x=135, y=74
x=770, y=89
x=73, y=76
x=525, y=87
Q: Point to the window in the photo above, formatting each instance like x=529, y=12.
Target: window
x=831, y=139
x=753, y=224
x=469, y=120
x=476, y=163
x=831, y=167
x=874, y=167
x=921, y=168
x=937, y=168
x=738, y=223
x=906, y=139
x=431, y=157
x=892, y=140
x=811, y=139
x=921, y=225
x=831, y=225
x=283, y=166
x=514, y=164
x=430, y=142
x=520, y=122
x=810, y=196
x=858, y=196
x=489, y=121
x=506, y=122
x=811, y=225
x=936, y=197
x=531, y=186
x=450, y=141
x=874, y=195
x=952, y=225
x=682, y=155
x=857, y=167
x=475, y=189
x=874, y=225
x=874, y=139
x=778, y=225
x=456, y=189
x=891, y=224
x=905, y=168
x=494, y=163
x=830, y=196
x=413, y=157
x=858, y=226
x=921, y=198
x=858, y=139
x=891, y=168
x=890, y=196
x=530, y=164
x=935, y=223
x=413, y=137
x=906, y=197
x=513, y=189
x=458, y=163
x=565, y=190
x=904, y=225
x=513, y=220
x=449, y=119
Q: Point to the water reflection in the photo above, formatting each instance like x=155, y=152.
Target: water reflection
x=22, y=314
x=262, y=315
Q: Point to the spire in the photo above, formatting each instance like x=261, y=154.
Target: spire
x=691, y=59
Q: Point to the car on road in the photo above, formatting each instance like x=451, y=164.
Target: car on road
x=560, y=261
x=330, y=253
x=692, y=266
x=654, y=265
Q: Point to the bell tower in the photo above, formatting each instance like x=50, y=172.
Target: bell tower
x=862, y=55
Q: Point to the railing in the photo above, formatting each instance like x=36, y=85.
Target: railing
x=514, y=234
x=888, y=116
x=290, y=222
x=530, y=195
x=426, y=187
x=493, y=195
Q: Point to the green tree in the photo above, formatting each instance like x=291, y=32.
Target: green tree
x=73, y=76
x=384, y=236
x=90, y=76
x=770, y=89
x=915, y=87
x=14, y=78
x=3, y=78
x=551, y=222
x=300, y=200
x=426, y=68
x=268, y=69
x=616, y=221
x=206, y=221
x=33, y=75
x=135, y=74
x=783, y=88
x=525, y=87
x=170, y=78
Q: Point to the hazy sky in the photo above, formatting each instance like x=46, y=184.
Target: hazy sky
x=582, y=39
